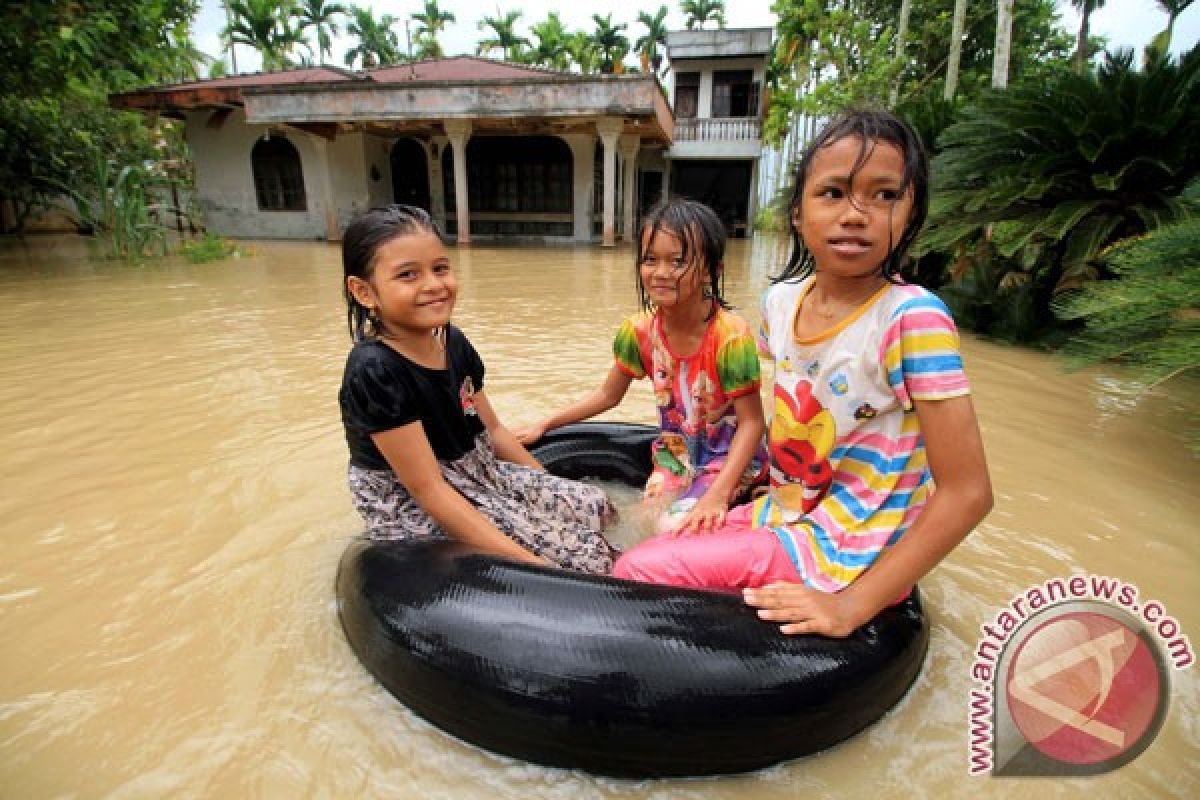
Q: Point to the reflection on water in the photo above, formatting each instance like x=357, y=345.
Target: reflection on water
x=174, y=510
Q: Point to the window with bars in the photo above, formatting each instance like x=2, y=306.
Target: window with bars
x=278, y=175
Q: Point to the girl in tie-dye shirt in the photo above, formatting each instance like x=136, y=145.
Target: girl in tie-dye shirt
x=703, y=363
x=870, y=408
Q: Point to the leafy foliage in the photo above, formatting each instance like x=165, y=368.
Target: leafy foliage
x=118, y=210
x=211, y=247
x=831, y=54
x=1031, y=185
x=59, y=60
x=1148, y=317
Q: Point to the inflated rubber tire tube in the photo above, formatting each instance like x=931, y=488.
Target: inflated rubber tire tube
x=612, y=677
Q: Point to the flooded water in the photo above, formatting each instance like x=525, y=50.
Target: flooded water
x=174, y=508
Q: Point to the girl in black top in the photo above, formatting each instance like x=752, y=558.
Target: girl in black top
x=428, y=456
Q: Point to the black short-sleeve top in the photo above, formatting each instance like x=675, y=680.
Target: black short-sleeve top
x=381, y=390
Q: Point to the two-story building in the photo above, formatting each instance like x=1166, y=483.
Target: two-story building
x=493, y=150
x=717, y=94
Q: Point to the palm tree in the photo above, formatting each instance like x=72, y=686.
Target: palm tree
x=506, y=39
x=551, y=48
x=1085, y=9
x=584, y=52
x=431, y=22
x=611, y=43
x=319, y=14
x=377, y=42
x=698, y=12
x=656, y=37
x=264, y=25
x=1160, y=45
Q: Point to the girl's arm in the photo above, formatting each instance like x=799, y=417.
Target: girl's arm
x=962, y=498
x=709, y=511
x=506, y=444
x=408, y=452
x=606, y=396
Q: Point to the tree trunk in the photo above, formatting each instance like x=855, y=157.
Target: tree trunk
x=1081, y=45
x=1004, y=21
x=901, y=35
x=956, y=36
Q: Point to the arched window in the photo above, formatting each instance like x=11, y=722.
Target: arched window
x=278, y=177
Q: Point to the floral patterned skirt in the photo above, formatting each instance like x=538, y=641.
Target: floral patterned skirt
x=556, y=518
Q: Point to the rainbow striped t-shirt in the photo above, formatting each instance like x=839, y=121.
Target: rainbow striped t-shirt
x=847, y=460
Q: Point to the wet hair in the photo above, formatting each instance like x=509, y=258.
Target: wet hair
x=702, y=235
x=871, y=127
x=365, y=234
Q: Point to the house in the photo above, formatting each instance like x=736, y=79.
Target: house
x=491, y=149
x=717, y=79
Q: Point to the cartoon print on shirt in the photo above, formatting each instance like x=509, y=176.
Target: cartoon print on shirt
x=865, y=411
x=801, y=438
x=838, y=384
x=466, y=397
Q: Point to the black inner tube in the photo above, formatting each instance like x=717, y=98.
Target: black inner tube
x=613, y=677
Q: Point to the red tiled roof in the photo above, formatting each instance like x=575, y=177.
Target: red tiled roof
x=458, y=68
x=281, y=78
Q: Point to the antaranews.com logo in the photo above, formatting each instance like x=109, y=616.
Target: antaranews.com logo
x=1071, y=679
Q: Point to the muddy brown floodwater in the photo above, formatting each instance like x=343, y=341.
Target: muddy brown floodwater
x=174, y=508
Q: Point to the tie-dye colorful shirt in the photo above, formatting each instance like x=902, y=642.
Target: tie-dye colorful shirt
x=694, y=393
x=848, y=467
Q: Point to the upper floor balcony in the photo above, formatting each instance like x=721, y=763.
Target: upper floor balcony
x=719, y=129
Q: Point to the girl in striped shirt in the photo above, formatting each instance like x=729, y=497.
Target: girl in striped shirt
x=870, y=407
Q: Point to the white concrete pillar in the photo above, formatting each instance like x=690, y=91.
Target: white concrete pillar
x=324, y=186
x=610, y=129
x=629, y=146
x=752, y=203
x=704, y=101
x=437, y=186
x=459, y=131
x=583, y=177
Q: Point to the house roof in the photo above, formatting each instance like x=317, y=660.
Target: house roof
x=457, y=68
x=417, y=98
x=226, y=91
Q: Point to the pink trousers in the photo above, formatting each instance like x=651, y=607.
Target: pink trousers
x=733, y=558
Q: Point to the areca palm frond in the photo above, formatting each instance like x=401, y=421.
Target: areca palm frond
x=698, y=12
x=266, y=26
x=505, y=39
x=610, y=42
x=320, y=15
x=377, y=42
x=656, y=36
x=431, y=21
x=551, y=49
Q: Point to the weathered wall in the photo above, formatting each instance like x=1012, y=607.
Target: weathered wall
x=225, y=182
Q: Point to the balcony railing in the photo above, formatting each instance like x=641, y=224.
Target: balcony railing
x=727, y=129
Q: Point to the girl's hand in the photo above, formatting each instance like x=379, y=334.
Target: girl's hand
x=530, y=433
x=804, y=610
x=706, y=516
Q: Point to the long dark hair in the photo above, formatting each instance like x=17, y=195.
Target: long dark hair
x=365, y=234
x=702, y=235
x=871, y=127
